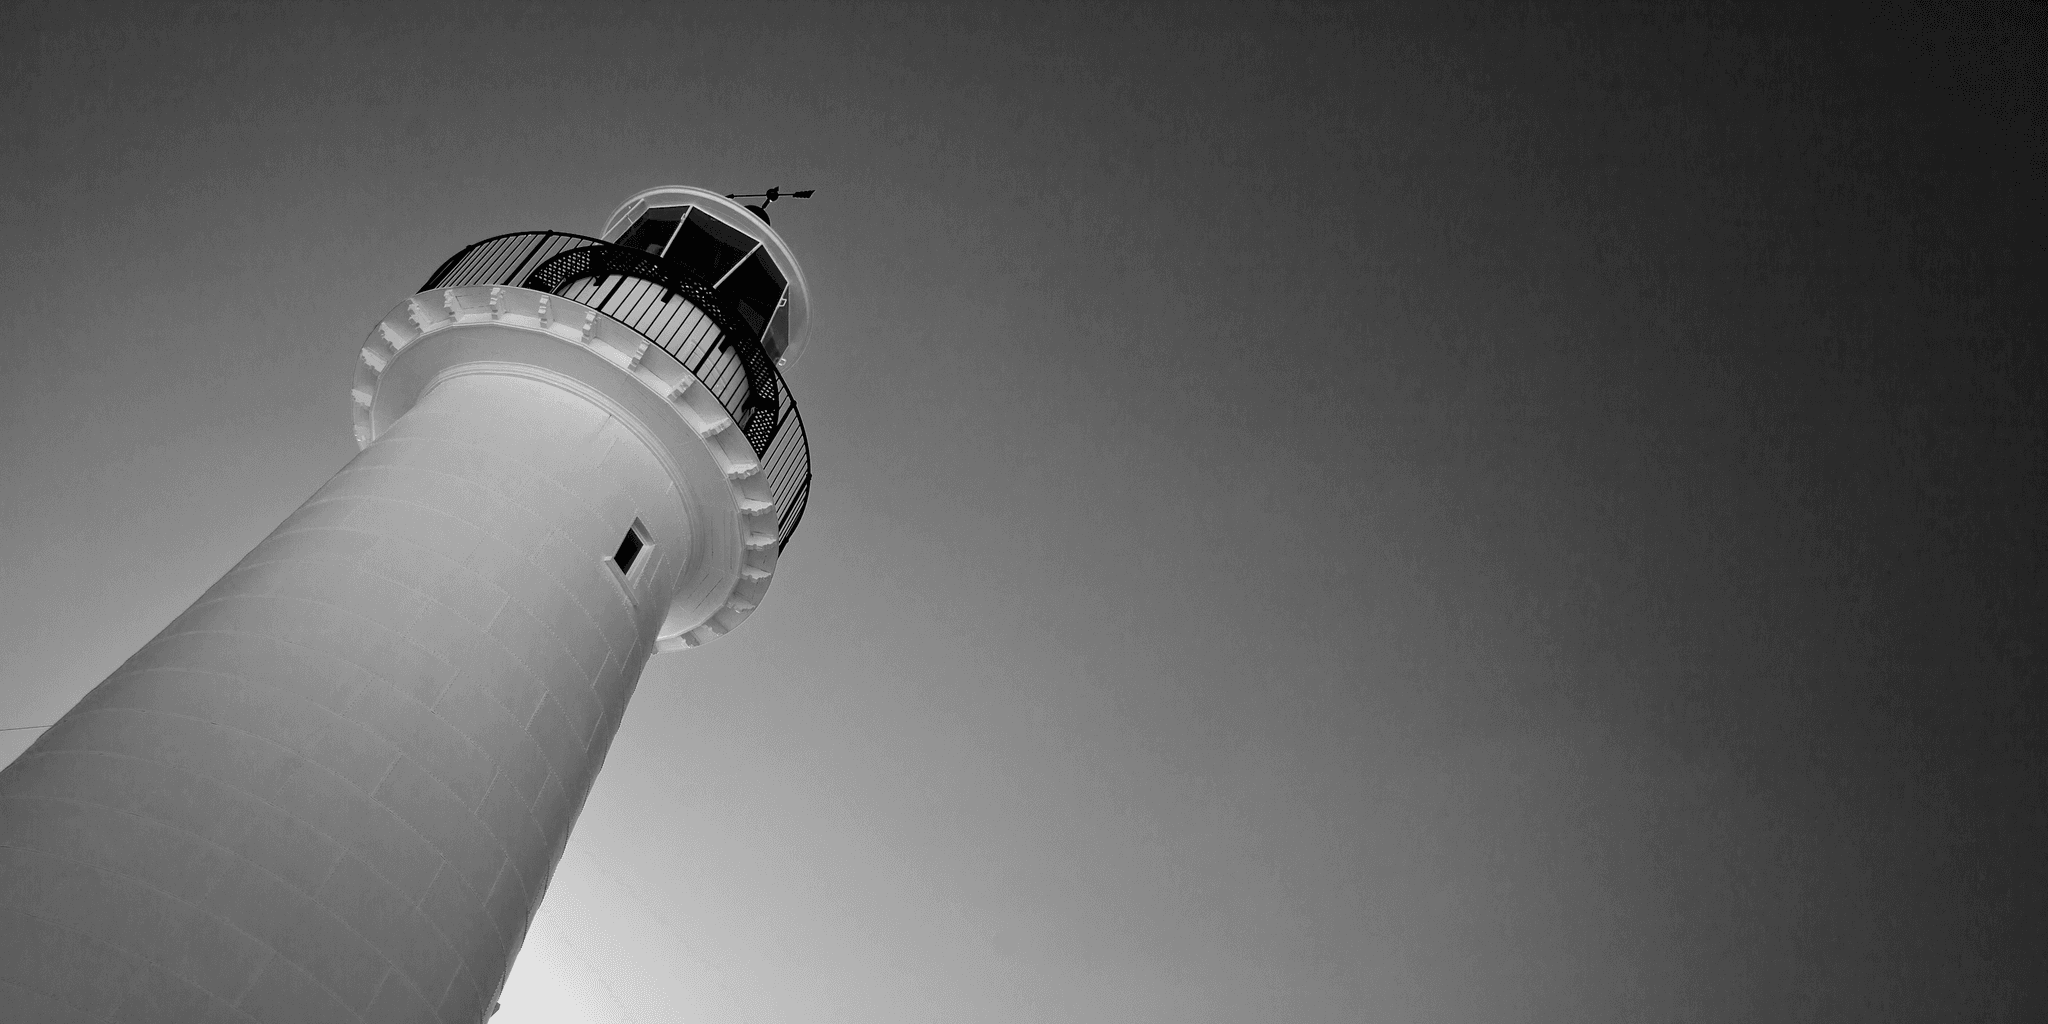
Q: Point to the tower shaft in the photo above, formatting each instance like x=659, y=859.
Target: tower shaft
x=334, y=788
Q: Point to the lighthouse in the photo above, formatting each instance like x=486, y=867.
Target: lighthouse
x=335, y=787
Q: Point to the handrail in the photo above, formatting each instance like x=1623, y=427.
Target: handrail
x=744, y=376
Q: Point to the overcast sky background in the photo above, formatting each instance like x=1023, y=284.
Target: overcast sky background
x=1323, y=513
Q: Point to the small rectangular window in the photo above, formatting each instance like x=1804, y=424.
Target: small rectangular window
x=629, y=548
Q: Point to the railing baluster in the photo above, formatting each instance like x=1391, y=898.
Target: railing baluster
x=531, y=251
x=716, y=348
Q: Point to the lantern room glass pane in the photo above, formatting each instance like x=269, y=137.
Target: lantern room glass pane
x=708, y=246
x=755, y=289
x=776, y=341
x=654, y=228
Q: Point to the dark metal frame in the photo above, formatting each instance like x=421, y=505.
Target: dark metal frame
x=550, y=261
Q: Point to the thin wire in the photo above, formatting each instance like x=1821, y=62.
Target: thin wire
x=19, y=728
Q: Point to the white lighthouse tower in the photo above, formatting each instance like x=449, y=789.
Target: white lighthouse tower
x=334, y=789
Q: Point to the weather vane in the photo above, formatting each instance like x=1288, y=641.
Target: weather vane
x=767, y=197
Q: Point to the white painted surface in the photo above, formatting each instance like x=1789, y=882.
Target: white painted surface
x=335, y=787
x=714, y=468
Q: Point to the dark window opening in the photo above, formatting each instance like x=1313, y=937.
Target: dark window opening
x=709, y=246
x=755, y=289
x=651, y=233
x=629, y=549
x=776, y=339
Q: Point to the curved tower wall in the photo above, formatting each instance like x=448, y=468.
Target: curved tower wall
x=335, y=788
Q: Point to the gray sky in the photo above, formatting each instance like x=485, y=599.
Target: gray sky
x=1471, y=513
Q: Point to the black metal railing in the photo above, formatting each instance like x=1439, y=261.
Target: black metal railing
x=704, y=333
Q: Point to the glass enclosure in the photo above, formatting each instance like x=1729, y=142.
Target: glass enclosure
x=652, y=232
x=738, y=268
